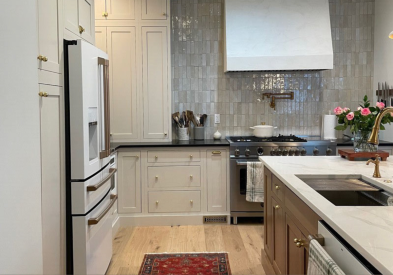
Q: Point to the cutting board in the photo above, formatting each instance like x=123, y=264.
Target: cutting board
x=351, y=155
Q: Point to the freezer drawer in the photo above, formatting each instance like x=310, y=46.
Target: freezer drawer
x=92, y=238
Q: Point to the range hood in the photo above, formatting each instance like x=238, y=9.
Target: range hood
x=274, y=35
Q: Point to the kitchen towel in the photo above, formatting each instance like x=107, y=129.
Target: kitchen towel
x=255, y=189
x=329, y=122
x=320, y=262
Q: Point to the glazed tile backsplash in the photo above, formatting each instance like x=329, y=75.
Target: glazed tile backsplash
x=200, y=84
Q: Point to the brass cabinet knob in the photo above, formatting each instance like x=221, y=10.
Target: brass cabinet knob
x=191, y=176
x=165, y=134
x=156, y=177
x=299, y=244
x=164, y=14
x=105, y=14
x=191, y=201
x=296, y=240
x=42, y=58
x=277, y=206
x=277, y=187
x=190, y=156
x=156, y=157
x=81, y=29
x=43, y=94
x=157, y=202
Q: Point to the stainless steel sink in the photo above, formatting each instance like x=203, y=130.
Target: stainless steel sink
x=347, y=190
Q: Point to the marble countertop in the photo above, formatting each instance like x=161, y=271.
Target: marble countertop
x=369, y=229
x=348, y=142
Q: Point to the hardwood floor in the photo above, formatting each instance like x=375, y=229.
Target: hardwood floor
x=242, y=242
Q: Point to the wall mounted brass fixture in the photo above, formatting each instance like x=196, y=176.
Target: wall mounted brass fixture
x=274, y=96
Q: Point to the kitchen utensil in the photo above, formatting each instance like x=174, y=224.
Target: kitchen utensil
x=175, y=117
x=198, y=119
x=263, y=130
x=192, y=118
x=203, y=118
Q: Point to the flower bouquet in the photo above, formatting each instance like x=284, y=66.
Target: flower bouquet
x=361, y=123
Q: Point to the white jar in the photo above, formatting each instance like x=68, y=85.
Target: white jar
x=217, y=135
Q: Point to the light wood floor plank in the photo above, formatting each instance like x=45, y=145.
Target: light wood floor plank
x=178, y=239
x=196, y=239
x=253, y=242
x=214, y=239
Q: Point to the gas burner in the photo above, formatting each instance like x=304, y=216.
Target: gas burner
x=279, y=138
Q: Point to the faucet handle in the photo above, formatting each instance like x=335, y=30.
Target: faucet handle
x=377, y=158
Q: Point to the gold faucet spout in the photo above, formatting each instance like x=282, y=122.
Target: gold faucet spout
x=374, y=134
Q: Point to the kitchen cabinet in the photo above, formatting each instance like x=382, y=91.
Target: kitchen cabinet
x=174, y=201
x=49, y=38
x=79, y=18
x=52, y=184
x=155, y=9
x=101, y=38
x=129, y=182
x=216, y=176
x=115, y=9
x=156, y=107
x=288, y=223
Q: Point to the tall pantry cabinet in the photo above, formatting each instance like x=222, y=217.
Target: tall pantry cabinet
x=136, y=36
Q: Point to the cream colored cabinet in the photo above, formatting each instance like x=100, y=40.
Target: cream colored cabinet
x=216, y=177
x=52, y=185
x=49, y=38
x=156, y=108
x=101, y=38
x=79, y=18
x=174, y=201
x=155, y=9
x=115, y=9
x=129, y=182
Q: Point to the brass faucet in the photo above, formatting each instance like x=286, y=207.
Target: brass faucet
x=377, y=160
x=374, y=134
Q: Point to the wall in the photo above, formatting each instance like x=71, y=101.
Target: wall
x=20, y=177
x=199, y=82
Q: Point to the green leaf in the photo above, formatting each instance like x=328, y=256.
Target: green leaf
x=340, y=127
x=382, y=127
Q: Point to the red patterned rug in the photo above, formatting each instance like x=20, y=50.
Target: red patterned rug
x=186, y=264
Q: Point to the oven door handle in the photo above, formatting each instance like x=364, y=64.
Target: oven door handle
x=241, y=163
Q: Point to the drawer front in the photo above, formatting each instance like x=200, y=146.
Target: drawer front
x=174, y=176
x=174, y=201
x=278, y=188
x=173, y=156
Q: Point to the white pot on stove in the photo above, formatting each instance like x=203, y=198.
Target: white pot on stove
x=263, y=130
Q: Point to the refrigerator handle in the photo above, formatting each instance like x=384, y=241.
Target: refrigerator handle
x=106, y=108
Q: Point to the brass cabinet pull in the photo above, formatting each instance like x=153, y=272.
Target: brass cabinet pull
x=296, y=240
x=42, y=58
x=43, y=94
x=157, y=202
x=81, y=29
x=190, y=156
x=277, y=187
x=95, y=187
x=93, y=221
x=105, y=14
x=164, y=14
x=191, y=176
x=156, y=157
x=216, y=152
x=165, y=134
x=277, y=206
x=191, y=201
x=299, y=244
x=135, y=157
x=156, y=177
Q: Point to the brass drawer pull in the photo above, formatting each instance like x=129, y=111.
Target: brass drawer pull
x=191, y=201
x=191, y=176
x=156, y=177
x=277, y=187
x=105, y=14
x=43, y=94
x=81, y=29
x=216, y=152
x=296, y=240
x=164, y=14
x=156, y=157
x=299, y=244
x=156, y=202
x=93, y=221
x=190, y=156
x=95, y=187
x=42, y=58
x=277, y=206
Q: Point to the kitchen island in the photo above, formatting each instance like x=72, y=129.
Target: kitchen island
x=368, y=229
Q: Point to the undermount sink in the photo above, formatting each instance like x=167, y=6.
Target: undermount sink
x=348, y=190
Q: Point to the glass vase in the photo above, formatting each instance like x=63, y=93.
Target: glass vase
x=360, y=143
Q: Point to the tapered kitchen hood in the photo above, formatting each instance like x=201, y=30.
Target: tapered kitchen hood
x=275, y=35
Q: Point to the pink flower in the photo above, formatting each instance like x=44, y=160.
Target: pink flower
x=338, y=110
x=346, y=109
x=360, y=108
x=350, y=116
x=366, y=112
x=380, y=105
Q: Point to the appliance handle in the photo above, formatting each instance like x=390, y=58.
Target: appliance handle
x=241, y=163
x=106, y=152
x=95, y=187
x=93, y=221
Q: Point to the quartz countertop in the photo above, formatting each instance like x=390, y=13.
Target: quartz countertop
x=174, y=143
x=368, y=229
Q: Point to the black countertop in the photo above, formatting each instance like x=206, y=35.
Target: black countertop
x=348, y=142
x=174, y=143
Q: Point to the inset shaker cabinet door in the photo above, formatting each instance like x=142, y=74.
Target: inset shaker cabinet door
x=86, y=20
x=101, y=38
x=156, y=113
x=100, y=9
x=71, y=17
x=51, y=185
x=121, y=42
x=155, y=9
x=216, y=177
x=48, y=36
x=129, y=182
x=120, y=9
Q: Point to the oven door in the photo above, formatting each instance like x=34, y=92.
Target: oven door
x=239, y=188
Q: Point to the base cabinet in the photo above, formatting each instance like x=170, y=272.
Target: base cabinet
x=216, y=178
x=288, y=223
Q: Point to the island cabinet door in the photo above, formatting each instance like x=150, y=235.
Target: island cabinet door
x=294, y=248
x=268, y=228
x=279, y=237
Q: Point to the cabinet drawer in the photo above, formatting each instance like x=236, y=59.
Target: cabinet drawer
x=174, y=176
x=173, y=156
x=174, y=201
x=278, y=188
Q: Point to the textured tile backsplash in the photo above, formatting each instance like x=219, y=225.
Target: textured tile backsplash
x=200, y=84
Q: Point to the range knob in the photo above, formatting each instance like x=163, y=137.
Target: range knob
x=315, y=151
x=297, y=152
x=273, y=152
x=260, y=151
x=247, y=152
x=291, y=152
x=237, y=152
x=285, y=152
x=328, y=151
x=303, y=152
x=279, y=152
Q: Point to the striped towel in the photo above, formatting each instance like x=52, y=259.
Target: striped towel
x=255, y=190
x=319, y=261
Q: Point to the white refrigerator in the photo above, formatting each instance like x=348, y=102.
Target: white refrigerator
x=88, y=172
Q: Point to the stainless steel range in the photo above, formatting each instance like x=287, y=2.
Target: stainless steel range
x=249, y=148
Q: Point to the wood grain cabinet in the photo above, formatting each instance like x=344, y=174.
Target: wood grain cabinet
x=288, y=223
x=79, y=18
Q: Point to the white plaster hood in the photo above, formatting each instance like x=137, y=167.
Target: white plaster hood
x=269, y=35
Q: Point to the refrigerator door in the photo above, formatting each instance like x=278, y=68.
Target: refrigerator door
x=89, y=109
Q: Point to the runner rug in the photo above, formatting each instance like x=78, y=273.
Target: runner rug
x=186, y=264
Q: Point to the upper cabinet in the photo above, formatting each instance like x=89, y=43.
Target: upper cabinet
x=154, y=9
x=115, y=9
x=49, y=38
x=79, y=18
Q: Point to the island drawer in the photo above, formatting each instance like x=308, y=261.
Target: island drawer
x=278, y=188
x=174, y=176
x=173, y=156
x=174, y=201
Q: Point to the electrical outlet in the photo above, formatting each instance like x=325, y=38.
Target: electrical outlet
x=217, y=118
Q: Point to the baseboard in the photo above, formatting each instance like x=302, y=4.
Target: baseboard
x=115, y=227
